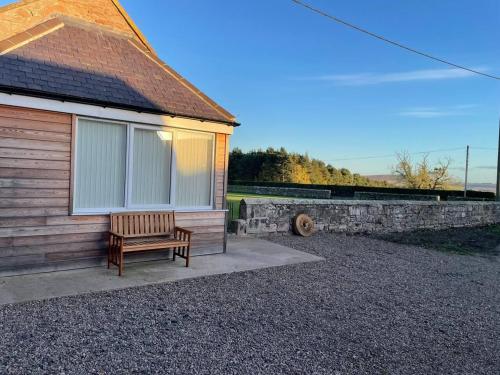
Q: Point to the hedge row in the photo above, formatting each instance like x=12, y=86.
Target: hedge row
x=348, y=191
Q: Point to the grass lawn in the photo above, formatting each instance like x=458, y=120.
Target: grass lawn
x=240, y=196
x=234, y=199
x=483, y=241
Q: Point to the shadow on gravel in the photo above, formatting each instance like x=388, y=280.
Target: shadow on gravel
x=479, y=241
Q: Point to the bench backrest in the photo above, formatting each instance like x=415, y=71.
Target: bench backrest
x=137, y=223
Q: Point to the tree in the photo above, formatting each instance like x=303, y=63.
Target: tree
x=421, y=175
x=274, y=165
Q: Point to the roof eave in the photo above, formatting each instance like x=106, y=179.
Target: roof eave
x=75, y=99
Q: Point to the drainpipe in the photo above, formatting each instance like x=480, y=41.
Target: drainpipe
x=498, y=166
x=224, y=201
x=466, y=171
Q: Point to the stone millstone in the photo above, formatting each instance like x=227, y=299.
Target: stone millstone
x=303, y=225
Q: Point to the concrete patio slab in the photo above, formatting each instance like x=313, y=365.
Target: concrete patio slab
x=243, y=254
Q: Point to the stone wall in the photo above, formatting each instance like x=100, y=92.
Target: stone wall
x=263, y=216
x=370, y=196
x=282, y=191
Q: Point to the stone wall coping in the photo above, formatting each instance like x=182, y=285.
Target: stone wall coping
x=329, y=202
x=301, y=193
x=230, y=186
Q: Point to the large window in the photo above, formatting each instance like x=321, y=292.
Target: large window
x=127, y=167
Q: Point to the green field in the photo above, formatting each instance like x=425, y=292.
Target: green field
x=240, y=196
x=234, y=199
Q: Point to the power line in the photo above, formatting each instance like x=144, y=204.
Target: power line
x=414, y=153
x=363, y=158
x=352, y=26
x=392, y=155
x=485, y=148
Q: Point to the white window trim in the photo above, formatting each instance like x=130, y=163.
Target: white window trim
x=113, y=114
x=129, y=207
x=130, y=169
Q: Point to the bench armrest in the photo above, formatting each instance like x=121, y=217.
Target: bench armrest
x=116, y=234
x=182, y=234
x=183, y=230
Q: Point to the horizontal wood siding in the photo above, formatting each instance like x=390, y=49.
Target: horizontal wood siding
x=36, y=231
x=221, y=152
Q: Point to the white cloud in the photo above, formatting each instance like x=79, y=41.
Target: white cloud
x=362, y=79
x=433, y=112
x=426, y=113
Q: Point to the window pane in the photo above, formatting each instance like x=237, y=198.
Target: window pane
x=151, y=167
x=194, y=152
x=100, y=165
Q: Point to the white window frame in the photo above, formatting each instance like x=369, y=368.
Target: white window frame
x=130, y=169
x=128, y=206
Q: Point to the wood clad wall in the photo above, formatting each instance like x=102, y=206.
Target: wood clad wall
x=221, y=159
x=36, y=231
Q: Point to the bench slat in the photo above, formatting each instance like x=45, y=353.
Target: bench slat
x=154, y=246
x=141, y=223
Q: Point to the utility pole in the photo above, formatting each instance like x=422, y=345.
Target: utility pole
x=498, y=165
x=466, y=171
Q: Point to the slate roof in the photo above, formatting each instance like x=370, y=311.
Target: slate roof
x=76, y=61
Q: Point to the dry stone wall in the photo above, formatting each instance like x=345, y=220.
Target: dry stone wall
x=371, y=196
x=264, y=216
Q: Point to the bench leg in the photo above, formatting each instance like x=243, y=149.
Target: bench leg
x=187, y=255
x=173, y=253
x=120, y=271
x=110, y=249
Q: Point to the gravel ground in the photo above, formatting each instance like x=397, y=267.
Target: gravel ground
x=482, y=241
x=371, y=307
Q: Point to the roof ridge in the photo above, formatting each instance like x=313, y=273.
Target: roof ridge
x=29, y=35
x=44, y=28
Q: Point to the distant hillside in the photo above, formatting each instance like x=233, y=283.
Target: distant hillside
x=483, y=187
x=396, y=181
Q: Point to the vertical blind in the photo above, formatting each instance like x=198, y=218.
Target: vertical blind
x=101, y=165
x=194, y=158
x=106, y=168
x=151, y=167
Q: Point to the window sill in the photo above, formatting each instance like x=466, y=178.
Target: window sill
x=107, y=212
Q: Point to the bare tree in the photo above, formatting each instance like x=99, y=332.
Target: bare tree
x=420, y=175
x=440, y=176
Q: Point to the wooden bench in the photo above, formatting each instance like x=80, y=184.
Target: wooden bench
x=133, y=232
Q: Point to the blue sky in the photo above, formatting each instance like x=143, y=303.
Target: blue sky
x=298, y=80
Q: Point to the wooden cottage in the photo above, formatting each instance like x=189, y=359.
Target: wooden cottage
x=93, y=122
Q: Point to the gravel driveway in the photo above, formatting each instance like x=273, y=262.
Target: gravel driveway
x=371, y=307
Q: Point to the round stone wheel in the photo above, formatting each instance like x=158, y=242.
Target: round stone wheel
x=303, y=225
